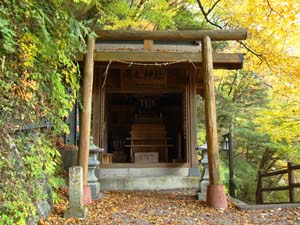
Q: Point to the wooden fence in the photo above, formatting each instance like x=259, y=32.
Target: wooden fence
x=290, y=187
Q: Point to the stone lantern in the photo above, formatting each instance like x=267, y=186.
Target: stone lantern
x=93, y=181
x=205, y=174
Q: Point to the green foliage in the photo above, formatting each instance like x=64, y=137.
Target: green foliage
x=45, y=49
x=39, y=42
x=8, y=35
x=56, y=182
x=27, y=160
x=150, y=15
x=245, y=179
x=187, y=18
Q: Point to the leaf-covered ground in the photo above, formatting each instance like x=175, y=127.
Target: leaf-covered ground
x=165, y=207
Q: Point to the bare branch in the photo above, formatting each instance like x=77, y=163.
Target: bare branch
x=131, y=3
x=232, y=84
x=206, y=14
x=271, y=8
x=213, y=6
x=260, y=56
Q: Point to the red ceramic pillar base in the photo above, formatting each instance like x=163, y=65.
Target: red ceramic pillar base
x=87, y=197
x=216, y=197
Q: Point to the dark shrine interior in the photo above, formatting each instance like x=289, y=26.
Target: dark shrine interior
x=126, y=111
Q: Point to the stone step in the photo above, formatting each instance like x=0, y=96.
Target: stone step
x=149, y=183
x=142, y=172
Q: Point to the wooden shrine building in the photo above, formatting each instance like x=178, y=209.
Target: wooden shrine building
x=144, y=103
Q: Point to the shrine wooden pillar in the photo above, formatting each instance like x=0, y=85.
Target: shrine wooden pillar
x=192, y=122
x=216, y=196
x=98, y=107
x=85, y=115
x=96, y=115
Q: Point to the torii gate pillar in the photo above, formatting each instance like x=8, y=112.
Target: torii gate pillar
x=85, y=117
x=215, y=196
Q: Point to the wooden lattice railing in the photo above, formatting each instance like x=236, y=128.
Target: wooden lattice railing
x=290, y=187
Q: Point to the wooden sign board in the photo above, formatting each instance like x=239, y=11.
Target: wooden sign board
x=144, y=78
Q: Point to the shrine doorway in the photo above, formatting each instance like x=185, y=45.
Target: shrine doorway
x=145, y=128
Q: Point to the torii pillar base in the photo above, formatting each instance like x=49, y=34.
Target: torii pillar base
x=216, y=197
x=87, y=197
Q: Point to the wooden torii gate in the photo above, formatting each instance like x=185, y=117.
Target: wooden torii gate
x=215, y=191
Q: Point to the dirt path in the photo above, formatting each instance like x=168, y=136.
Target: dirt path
x=145, y=208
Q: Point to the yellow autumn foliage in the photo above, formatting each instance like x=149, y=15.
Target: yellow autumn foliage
x=274, y=38
x=28, y=50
